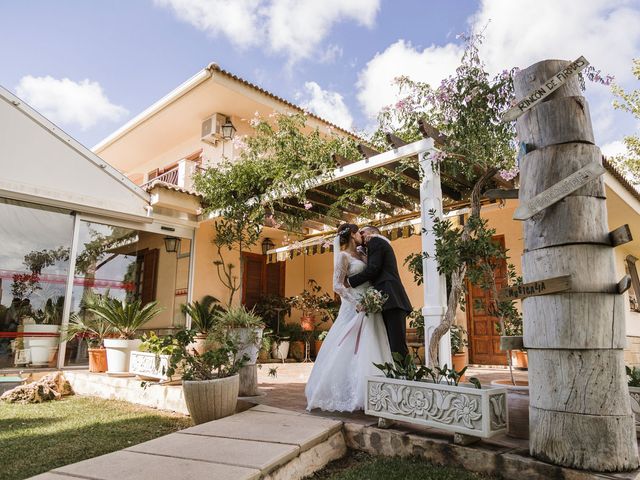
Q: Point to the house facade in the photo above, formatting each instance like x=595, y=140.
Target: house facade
x=125, y=217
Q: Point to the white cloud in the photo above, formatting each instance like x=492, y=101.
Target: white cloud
x=326, y=104
x=614, y=148
x=294, y=28
x=297, y=27
x=520, y=34
x=238, y=20
x=331, y=54
x=67, y=102
x=431, y=65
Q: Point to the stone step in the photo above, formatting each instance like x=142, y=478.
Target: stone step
x=263, y=442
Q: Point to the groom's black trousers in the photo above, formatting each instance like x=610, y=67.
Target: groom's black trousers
x=395, y=321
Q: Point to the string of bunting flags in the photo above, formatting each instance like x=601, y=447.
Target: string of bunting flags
x=324, y=244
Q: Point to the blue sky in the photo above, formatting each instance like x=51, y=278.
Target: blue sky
x=335, y=57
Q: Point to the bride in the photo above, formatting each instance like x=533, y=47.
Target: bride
x=354, y=342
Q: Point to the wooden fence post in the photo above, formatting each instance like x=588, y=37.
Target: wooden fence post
x=580, y=413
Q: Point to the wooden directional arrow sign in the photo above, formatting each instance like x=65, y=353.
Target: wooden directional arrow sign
x=558, y=191
x=547, y=88
x=541, y=287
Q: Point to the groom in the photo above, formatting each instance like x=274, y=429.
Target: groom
x=382, y=272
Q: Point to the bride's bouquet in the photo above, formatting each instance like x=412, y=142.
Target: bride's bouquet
x=372, y=300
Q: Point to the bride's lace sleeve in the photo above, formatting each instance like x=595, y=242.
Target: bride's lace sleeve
x=339, y=274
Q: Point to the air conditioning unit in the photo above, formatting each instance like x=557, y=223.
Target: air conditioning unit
x=211, y=130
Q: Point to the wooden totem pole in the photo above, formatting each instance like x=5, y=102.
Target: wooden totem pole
x=580, y=414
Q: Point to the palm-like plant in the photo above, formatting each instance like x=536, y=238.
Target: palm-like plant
x=92, y=328
x=203, y=314
x=124, y=317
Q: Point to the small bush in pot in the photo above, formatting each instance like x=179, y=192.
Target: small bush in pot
x=94, y=330
x=210, y=380
x=243, y=328
x=297, y=336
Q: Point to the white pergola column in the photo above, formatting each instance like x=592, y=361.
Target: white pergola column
x=435, y=287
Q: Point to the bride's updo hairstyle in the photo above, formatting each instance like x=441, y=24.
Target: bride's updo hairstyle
x=345, y=231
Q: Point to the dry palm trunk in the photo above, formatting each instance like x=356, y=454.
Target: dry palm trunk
x=580, y=414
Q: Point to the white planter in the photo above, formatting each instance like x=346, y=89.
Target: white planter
x=118, y=353
x=280, y=350
x=149, y=365
x=41, y=350
x=634, y=393
x=249, y=341
x=462, y=409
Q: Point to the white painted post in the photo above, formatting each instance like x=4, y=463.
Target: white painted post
x=186, y=169
x=435, y=287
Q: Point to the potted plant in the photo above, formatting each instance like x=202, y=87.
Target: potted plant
x=243, y=327
x=320, y=336
x=151, y=359
x=458, y=342
x=210, y=380
x=45, y=324
x=314, y=305
x=125, y=319
x=436, y=398
x=94, y=330
x=265, y=346
x=297, y=336
x=203, y=319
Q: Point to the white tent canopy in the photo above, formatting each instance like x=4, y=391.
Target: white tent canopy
x=41, y=164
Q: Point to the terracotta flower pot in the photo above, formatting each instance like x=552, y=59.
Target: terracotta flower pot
x=97, y=360
x=519, y=359
x=297, y=350
x=317, y=345
x=459, y=361
x=517, y=406
x=307, y=323
x=209, y=400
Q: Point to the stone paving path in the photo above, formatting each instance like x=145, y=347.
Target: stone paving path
x=263, y=442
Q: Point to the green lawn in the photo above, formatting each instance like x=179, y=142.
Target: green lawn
x=35, y=438
x=362, y=466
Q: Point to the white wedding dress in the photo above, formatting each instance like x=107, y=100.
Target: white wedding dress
x=354, y=342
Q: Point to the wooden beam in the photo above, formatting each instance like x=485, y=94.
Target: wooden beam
x=441, y=140
x=624, y=284
x=499, y=193
x=511, y=343
x=541, y=287
x=318, y=197
x=620, y=236
x=372, y=177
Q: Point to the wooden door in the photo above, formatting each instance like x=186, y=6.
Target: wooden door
x=484, y=341
x=260, y=278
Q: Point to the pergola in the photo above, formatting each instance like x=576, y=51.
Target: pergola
x=421, y=190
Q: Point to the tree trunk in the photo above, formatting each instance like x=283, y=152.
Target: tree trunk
x=580, y=414
x=249, y=381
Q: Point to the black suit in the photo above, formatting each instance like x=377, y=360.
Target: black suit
x=382, y=272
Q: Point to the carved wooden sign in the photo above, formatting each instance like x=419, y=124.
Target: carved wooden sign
x=541, y=287
x=547, y=88
x=558, y=191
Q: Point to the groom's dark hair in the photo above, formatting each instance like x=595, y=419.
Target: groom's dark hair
x=371, y=227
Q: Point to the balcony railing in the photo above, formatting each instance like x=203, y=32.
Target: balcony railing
x=170, y=176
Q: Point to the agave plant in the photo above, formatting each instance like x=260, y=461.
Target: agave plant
x=124, y=317
x=203, y=314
